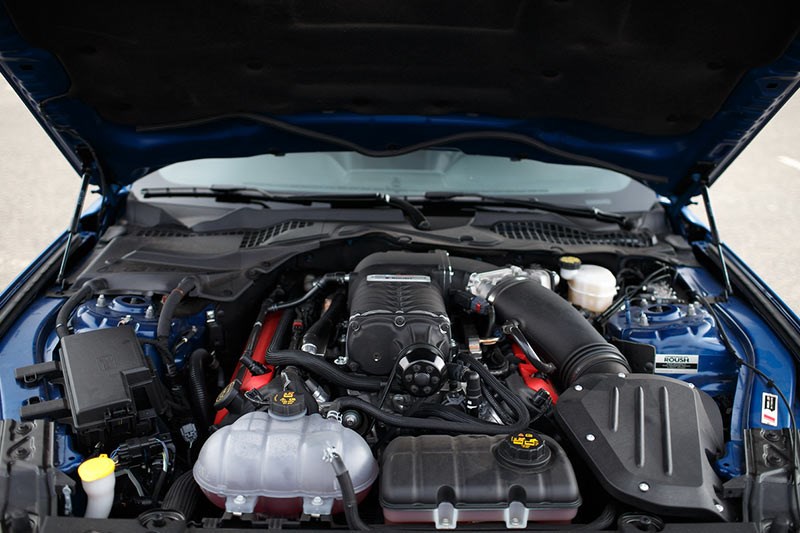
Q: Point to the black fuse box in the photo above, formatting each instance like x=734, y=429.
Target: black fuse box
x=110, y=387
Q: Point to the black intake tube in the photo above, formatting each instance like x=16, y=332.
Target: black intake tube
x=557, y=329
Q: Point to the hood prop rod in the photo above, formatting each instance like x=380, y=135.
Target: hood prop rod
x=73, y=228
x=727, y=289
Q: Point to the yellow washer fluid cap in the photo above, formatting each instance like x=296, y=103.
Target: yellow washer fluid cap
x=96, y=468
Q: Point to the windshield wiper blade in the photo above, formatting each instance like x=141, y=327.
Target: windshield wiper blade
x=249, y=195
x=233, y=195
x=533, y=203
x=414, y=214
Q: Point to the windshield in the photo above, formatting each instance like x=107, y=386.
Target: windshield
x=411, y=175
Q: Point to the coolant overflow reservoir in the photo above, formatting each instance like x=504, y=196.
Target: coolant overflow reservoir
x=275, y=464
x=591, y=287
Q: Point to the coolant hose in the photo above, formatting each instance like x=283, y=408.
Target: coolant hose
x=556, y=329
x=316, y=337
x=183, y=496
x=198, y=361
x=165, y=318
x=333, y=277
x=349, y=498
x=324, y=369
x=86, y=290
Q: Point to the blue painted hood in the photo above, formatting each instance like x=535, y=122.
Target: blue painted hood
x=669, y=94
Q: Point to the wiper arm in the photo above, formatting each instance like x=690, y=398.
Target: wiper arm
x=414, y=214
x=533, y=203
x=248, y=195
x=232, y=195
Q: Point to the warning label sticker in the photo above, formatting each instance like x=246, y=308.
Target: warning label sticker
x=769, y=409
x=668, y=363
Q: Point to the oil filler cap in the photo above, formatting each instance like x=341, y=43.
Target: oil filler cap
x=523, y=450
x=287, y=404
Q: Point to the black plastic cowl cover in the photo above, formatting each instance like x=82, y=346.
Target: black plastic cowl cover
x=649, y=440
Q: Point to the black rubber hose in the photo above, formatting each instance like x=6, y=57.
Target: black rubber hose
x=165, y=319
x=333, y=277
x=170, y=304
x=349, y=499
x=450, y=426
x=557, y=329
x=495, y=405
x=183, y=496
x=198, y=361
x=318, y=333
x=324, y=369
x=62, y=318
x=426, y=424
x=284, y=325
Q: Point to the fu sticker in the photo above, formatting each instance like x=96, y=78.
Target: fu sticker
x=769, y=409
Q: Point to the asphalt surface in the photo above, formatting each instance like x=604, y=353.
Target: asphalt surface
x=755, y=201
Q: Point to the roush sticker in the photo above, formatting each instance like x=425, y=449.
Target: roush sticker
x=769, y=409
x=399, y=278
x=669, y=363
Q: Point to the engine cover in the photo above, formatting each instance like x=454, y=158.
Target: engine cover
x=398, y=317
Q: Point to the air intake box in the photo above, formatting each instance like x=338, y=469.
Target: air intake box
x=649, y=440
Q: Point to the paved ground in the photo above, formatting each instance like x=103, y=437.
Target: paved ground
x=755, y=201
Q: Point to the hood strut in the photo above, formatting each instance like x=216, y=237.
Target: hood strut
x=727, y=290
x=73, y=227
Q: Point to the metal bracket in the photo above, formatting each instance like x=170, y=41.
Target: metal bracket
x=445, y=516
x=516, y=516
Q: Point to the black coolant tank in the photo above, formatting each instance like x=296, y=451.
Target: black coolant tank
x=444, y=480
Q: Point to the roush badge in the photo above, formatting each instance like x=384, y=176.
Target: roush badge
x=676, y=363
x=769, y=409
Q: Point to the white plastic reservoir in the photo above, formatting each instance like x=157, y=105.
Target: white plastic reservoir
x=591, y=287
x=276, y=465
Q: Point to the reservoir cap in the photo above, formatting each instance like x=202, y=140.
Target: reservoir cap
x=523, y=450
x=96, y=468
x=288, y=404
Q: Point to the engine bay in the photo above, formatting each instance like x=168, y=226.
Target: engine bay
x=394, y=388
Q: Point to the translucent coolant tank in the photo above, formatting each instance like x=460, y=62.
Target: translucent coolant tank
x=275, y=463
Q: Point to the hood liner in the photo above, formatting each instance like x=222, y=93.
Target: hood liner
x=636, y=84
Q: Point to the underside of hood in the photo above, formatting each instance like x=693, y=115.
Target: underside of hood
x=668, y=92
